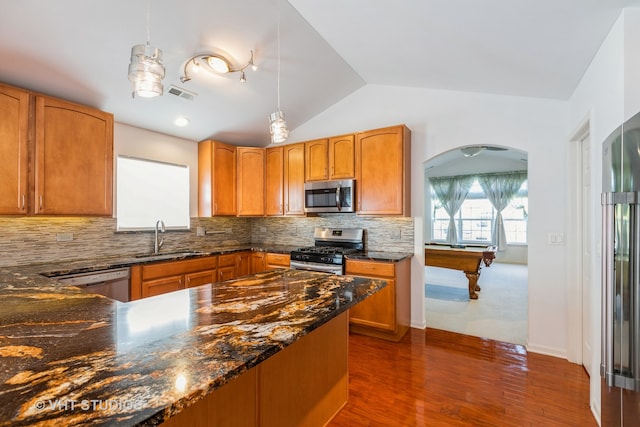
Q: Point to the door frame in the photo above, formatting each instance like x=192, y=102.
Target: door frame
x=575, y=307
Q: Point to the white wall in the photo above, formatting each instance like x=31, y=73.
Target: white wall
x=442, y=120
x=137, y=142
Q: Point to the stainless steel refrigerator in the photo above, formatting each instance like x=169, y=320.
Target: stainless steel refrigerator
x=620, y=362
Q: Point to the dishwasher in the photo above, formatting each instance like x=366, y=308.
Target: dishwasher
x=113, y=283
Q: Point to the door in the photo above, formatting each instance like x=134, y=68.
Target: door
x=294, y=179
x=274, y=181
x=250, y=181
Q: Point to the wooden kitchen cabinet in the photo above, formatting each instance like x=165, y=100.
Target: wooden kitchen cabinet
x=294, y=179
x=341, y=150
x=242, y=263
x=73, y=159
x=226, y=267
x=275, y=261
x=385, y=314
x=205, y=277
x=316, y=160
x=258, y=262
x=216, y=179
x=14, y=174
x=331, y=158
x=161, y=277
x=274, y=181
x=251, y=177
x=383, y=171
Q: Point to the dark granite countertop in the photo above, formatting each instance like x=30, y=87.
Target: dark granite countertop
x=72, y=358
x=380, y=256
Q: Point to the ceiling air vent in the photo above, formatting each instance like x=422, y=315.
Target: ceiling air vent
x=181, y=93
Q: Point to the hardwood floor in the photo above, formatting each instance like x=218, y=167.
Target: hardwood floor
x=440, y=378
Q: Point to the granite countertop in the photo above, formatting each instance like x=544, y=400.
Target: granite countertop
x=70, y=357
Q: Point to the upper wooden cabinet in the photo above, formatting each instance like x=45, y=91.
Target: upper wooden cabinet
x=216, y=179
x=274, y=181
x=74, y=159
x=316, y=160
x=331, y=158
x=251, y=177
x=294, y=179
x=383, y=171
x=14, y=126
x=341, y=152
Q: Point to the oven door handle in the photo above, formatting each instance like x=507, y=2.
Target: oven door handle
x=329, y=268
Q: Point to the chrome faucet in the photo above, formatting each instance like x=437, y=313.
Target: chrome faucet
x=158, y=243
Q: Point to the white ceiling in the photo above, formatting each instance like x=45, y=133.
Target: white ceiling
x=79, y=50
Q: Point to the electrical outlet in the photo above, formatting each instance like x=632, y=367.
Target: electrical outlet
x=64, y=237
x=200, y=231
x=556, y=239
x=263, y=229
x=228, y=230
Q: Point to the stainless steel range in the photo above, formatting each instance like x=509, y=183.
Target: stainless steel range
x=331, y=245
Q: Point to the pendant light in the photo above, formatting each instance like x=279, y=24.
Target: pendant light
x=145, y=69
x=277, y=124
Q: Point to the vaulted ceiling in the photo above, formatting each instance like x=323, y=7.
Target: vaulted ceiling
x=79, y=50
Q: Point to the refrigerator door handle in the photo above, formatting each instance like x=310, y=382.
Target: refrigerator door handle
x=620, y=366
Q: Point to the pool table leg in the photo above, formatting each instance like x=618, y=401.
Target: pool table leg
x=473, y=283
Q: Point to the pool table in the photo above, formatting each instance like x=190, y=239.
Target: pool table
x=466, y=258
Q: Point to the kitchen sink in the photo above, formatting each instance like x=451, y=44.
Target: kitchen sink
x=170, y=255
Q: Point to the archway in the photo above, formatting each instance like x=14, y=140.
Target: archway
x=500, y=312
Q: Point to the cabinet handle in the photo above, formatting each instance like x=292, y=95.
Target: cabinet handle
x=22, y=202
x=41, y=201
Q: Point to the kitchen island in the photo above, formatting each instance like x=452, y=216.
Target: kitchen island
x=269, y=347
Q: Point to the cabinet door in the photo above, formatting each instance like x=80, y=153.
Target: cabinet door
x=200, y=278
x=14, y=125
x=258, y=264
x=250, y=181
x=226, y=273
x=274, y=261
x=316, y=160
x=342, y=157
x=216, y=179
x=383, y=171
x=378, y=310
x=74, y=159
x=294, y=179
x=274, y=181
x=242, y=264
x=161, y=286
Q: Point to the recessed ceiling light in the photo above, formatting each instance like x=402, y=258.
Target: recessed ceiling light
x=181, y=122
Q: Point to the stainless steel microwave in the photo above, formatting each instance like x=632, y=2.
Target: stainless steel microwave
x=330, y=196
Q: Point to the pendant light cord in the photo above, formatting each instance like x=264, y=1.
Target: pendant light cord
x=148, y=23
x=278, y=35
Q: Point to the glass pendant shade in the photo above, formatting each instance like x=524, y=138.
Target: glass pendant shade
x=146, y=71
x=278, y=127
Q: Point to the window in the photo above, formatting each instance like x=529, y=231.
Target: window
x=148, y=191
x=474, y=220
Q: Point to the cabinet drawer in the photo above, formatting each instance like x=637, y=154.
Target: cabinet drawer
x=278, y=259
x=152, y=288
x=200, y=278
x=171, y=268
x=227, y=260
x=368, y=268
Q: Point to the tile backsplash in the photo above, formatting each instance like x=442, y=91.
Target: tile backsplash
x=30, y=240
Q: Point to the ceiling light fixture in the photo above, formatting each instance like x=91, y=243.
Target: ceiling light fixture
x=215, y=63
x=145, y=69
x=471, y=151
x=181, y=121
x=277, y=124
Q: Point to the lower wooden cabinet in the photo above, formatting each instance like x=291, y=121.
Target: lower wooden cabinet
x=159, y=278
x=258, y=262
x=274, y=261
x=386, y=314
x=242, y=264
